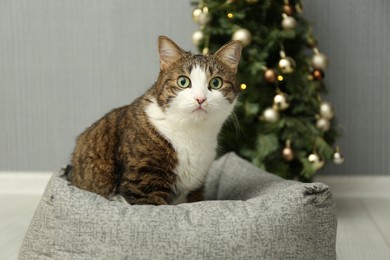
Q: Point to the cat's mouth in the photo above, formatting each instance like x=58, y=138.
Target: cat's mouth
x=200, y=108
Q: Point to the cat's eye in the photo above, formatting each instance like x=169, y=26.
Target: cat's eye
x=215, y=83
x=183, y=82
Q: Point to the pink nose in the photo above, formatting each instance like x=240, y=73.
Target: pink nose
x=200, y=100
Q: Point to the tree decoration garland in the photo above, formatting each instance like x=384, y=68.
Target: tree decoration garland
x=286, y=127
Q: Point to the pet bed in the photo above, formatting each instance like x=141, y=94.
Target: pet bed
x=248, y=214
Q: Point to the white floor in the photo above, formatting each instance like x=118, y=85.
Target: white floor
x=19, y=196
x=363, y=213
x=363, y=205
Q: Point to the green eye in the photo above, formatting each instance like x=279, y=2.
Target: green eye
x=215, y=83
x=183, y=82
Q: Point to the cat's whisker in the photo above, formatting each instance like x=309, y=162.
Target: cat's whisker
x=233, y=118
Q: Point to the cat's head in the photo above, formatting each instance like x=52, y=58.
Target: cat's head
x=197, y=87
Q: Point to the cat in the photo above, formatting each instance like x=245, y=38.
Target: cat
x=159, y=149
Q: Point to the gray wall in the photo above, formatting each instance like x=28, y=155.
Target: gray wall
x=355, y=34
x=64, y=63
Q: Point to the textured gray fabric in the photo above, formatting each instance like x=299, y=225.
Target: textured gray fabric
x=249, y=214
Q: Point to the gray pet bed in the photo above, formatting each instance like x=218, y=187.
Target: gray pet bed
x=250, y=214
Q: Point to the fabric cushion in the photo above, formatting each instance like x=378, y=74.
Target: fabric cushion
x=249, y=214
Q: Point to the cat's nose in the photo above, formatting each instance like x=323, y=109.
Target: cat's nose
x=200, y=100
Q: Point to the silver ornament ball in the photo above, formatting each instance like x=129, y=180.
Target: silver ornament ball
x=326, y=111
x=316, y=161
x=197, y=37
x=338, y=158
x=280, y=101
x=323, y=124
x=319, y=61
x=243, y=35
x=289, y=23
x=286, y=65
x=271, y=115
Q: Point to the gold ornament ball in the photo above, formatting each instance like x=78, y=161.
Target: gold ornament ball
x=319, y=61
x=242, y=35
x=318, y=74
x=287, y=65
x=201, y=16
x=196, y=14
x=326, y=111
x=289, y=23
x=316, y=161
x=204, y=19
x=338, y=158
x=323, y=124
x=270, y=75
x=197, y=37
x=271, y=115
x=280, y=101
x=299, y=8
x=288, y=9
x=288, y=154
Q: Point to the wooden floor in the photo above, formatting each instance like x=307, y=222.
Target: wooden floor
x=363, y=205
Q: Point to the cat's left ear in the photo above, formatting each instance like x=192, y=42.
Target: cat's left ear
x=169, y=52
x=230, y=54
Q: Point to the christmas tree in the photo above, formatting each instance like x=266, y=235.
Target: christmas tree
x=284, y=125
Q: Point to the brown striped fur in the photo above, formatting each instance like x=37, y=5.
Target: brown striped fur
x=123, y=154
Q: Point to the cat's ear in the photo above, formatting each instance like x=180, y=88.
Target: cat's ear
x=230, y=54
x=169, y=52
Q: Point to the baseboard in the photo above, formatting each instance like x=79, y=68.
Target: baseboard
x=342, y=186
x=358, y=186
x=23, y=182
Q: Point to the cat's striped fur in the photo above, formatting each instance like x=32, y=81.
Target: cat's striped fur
x=158, y=149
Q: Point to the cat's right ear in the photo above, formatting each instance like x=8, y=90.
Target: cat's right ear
x=169, y=52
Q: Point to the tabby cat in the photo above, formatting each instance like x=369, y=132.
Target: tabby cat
x=158, y=149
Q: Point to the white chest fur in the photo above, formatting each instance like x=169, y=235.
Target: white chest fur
x=194, y=144
x=191, y=122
